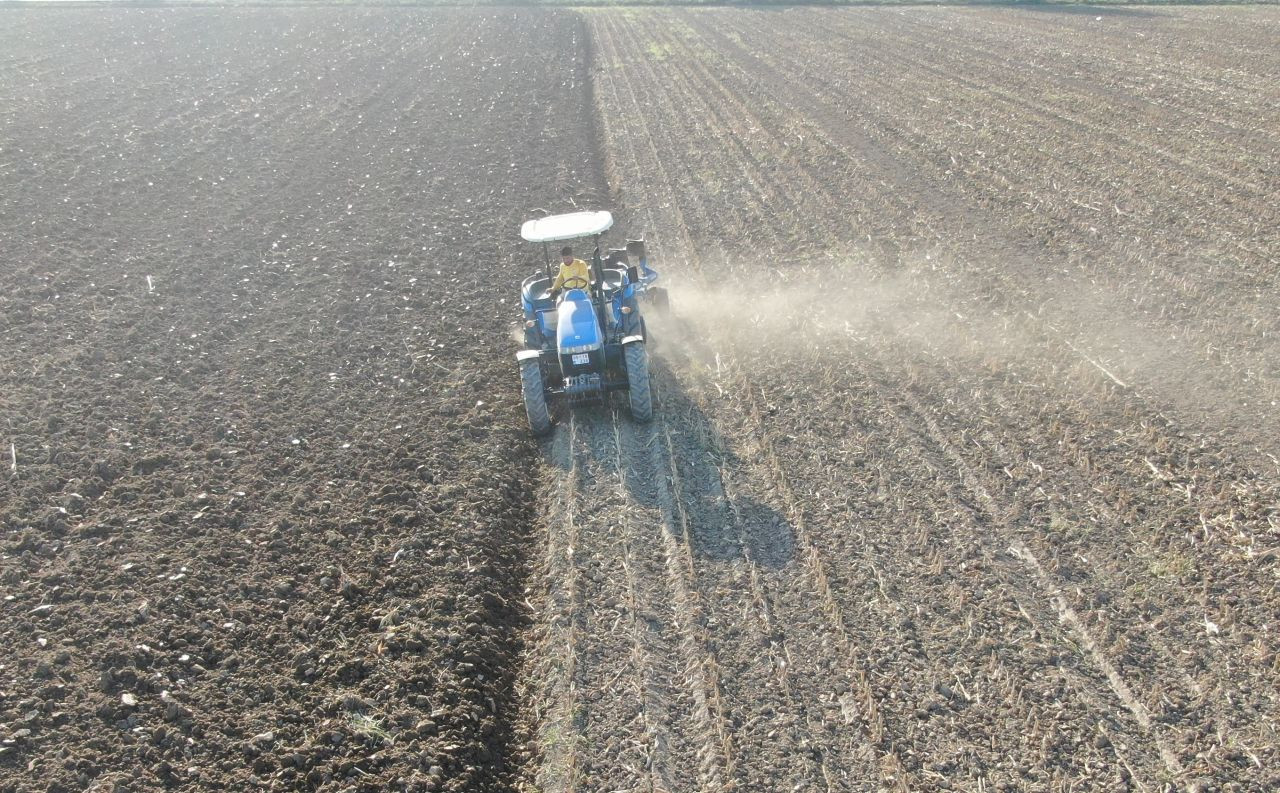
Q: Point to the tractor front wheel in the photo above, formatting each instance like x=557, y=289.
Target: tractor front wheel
x=535, y=397
x=640, y=390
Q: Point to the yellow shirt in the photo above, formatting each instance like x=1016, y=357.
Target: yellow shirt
x=568, y=272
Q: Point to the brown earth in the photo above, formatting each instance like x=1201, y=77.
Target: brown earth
x=963, y=476
x=273, y=483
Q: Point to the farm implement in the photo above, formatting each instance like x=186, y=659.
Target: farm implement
x=587, y=342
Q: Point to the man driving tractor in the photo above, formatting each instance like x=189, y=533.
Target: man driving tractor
x=574, y=272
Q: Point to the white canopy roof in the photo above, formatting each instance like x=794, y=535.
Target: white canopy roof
x=566, y=227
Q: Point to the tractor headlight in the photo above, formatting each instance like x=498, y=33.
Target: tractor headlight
x=626, y=309
x=578, y=348
x=529, y=323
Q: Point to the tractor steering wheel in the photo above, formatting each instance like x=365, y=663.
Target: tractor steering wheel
x=572, y=282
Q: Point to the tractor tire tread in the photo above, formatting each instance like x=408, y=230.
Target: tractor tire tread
x=535, y=397
x=640, y=390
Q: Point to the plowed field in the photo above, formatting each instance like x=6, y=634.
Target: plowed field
x=963, y=475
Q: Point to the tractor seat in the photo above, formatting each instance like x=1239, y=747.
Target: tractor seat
x=613, y=280
x=537, y=290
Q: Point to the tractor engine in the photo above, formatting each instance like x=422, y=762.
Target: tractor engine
x=579, y=342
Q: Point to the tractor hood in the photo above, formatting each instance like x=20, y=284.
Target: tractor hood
x=577, y=328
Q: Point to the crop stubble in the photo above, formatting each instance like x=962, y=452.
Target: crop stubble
x=1012, y=538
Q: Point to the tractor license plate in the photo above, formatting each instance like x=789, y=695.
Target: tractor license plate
x=582, y=360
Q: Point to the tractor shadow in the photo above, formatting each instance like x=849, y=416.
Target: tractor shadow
x=680, y=474
x=685, y=470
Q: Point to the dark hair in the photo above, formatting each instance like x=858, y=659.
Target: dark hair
x=566, y=251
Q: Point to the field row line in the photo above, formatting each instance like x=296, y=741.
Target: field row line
x=558, y=740
x=972, y=480
x=687, y=253
x=781, y=474
x=717, y=757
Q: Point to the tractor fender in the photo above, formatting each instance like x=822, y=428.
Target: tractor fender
x=528, y=355
x=631, y=340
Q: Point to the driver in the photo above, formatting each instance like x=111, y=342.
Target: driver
x=572, y=271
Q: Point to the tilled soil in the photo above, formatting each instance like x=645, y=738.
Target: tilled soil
x=270, y=518
x=962, y=474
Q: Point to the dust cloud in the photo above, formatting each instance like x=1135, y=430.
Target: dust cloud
x=812, y=306
x=924, y=310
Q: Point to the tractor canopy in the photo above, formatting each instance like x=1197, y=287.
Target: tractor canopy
x=566, y=227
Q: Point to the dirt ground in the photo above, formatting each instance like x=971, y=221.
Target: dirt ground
x=964, y=472
x=270, y=519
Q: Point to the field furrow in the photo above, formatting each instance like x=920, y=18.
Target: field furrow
x=708, y=189
x=741, y=525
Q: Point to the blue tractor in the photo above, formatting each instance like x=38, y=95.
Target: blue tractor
x=590, y=342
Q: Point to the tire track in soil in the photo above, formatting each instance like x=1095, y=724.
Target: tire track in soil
x=716, y=753
x=750, y=530
x=648, y=613
x=774, y=637
x=634, y=724
x=605, y=656
x=635, y=700
x=1048, y=588
x=553, y=705
x=1174, y=688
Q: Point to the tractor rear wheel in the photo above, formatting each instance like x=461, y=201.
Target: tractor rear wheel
x=535, y=397
x=640, y=391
